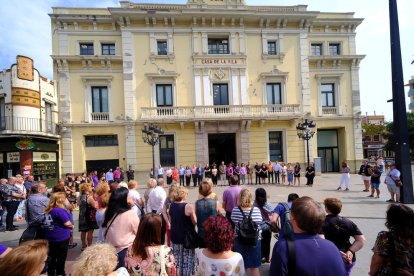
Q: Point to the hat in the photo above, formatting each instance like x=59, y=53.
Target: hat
x=391, y=163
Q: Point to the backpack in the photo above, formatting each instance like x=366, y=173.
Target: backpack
x=287, y=225
x=248, y=230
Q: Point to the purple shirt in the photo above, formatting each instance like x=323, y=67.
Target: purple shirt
x=95, y=180
x=3, y=248
x=55, y=230
x=230, y=196
x=243, y=170
x=312, y=256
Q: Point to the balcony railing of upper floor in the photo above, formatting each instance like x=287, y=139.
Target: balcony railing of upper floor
x=329, y=110
x=100, y=116
x=220, y=112
x=27, y=125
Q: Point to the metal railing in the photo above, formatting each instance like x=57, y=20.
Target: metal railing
x=100, y=116
x=329, y=110
x=220, y=111
x=9, y=123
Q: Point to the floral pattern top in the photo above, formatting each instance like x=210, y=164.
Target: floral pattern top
x=206, y=266
x=152, y=265
x=404, y=254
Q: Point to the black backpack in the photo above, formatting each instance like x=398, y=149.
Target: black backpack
x=287, y=227
x=248, y=230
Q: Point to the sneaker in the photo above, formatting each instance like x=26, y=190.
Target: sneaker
x=365, y=190
x=11, y=229
x=370, y=196
x=339, y=188
x=346, y=189
x=390, y=200
x=398, y=201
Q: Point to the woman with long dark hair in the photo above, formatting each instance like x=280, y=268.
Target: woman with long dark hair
x=394, y=249
x=147, y=256
x=266, y=211
x=121, y=223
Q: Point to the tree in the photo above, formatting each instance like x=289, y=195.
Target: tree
x=390, y=137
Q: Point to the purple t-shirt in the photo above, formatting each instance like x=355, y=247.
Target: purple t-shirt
x=3, y=248
x=55, y=230
x=230, y=196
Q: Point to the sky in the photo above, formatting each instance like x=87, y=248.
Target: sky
x=25, y=30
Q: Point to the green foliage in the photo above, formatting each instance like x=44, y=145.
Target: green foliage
x=389, y=135
x=373, y=129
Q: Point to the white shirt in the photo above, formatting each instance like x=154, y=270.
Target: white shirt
x=156, y=200
x=135, y=196
x=160, y=171
x=231, y=266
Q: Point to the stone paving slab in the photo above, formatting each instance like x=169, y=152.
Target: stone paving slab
x=367, y=213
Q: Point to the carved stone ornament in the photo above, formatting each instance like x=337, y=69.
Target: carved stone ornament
x=219, y=74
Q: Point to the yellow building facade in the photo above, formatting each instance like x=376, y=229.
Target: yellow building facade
x=224, y=80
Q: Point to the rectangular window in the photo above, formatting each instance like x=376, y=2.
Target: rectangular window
x=100, y=99
x=367, y=138
x=167, y=151
x=271, y=47
x=86, y=49
x=275, y=146
x=2, y=114
x=162, y=47
x=48, y=119
x=316, y=49
x=376, y=138
x=101, y=141
x=164, y=95
x=274, y=94
x=220, y=94
x=334, y=49
x=327, y=94
x=108, y=49
x=218, y=46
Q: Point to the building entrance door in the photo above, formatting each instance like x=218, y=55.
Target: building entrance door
x=329, y=159
x=222, y=147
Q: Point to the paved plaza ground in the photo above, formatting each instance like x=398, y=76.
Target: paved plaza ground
x=367, y=213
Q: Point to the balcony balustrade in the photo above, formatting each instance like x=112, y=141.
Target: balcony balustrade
x=224, y=112
x=329, y=110
x=100, y=116
x=25, y=124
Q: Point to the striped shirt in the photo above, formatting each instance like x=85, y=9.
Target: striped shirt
x=236, y=217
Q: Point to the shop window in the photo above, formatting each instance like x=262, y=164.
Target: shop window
x=101, y=140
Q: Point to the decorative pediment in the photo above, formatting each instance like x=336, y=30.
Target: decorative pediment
x=274, y=73
x=216, y=3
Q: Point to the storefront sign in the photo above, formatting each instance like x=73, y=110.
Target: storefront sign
x=44, y=169
x=13, y=157
x=25, y=144
x=44, y=156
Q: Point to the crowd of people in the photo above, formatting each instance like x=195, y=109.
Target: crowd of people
x=265, y=173
x=371, y=177
x=161, y=233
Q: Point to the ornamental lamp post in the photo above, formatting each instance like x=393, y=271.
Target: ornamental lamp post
x=151, y=136
x=306, y=131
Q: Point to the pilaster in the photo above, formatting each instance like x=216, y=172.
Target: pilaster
x=304, y=72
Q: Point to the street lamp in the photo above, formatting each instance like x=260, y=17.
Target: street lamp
x=306, y=131
x=151, y=136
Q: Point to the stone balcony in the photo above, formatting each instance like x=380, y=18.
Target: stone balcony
x=29, y=126
x=221, y=112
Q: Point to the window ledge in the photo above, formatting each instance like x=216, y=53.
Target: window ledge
x=280, y=56
x=170, y=57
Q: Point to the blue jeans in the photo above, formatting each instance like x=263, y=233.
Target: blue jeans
x=19, y=212
x=99, y=220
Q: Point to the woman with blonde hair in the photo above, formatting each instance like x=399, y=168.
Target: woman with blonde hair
x=147, y=256
x=151, y=183
x=87, y=215
x=251, y=254
x=57, y=231
x=27, y=259
x=98, y=260
x=170, y=198
x=183, y=219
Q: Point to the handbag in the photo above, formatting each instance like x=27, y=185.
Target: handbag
x=191, y=240
x=398, y=182
x=33, y=232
